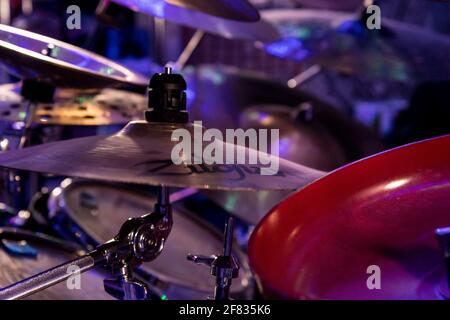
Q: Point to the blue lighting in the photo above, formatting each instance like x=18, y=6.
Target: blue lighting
x=288, y=48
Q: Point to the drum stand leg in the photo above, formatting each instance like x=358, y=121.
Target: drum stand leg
x=139, y=240
x=223, y=267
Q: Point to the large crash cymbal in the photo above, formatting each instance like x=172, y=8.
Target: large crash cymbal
x=380, y=212
x=29, y=55
x=198, y=19
x=141, y=153
x=342, y=42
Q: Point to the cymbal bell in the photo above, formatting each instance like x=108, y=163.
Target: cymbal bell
x=141, y=153
x=29, y=55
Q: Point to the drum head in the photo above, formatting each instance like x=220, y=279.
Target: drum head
x=100, y=209
x=15, y=267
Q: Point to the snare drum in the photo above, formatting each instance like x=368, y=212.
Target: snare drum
x=92, y=212
x=24, y=254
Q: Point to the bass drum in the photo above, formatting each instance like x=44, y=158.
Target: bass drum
x=91, y=213
x=25, y=253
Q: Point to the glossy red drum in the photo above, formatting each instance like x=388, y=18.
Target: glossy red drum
x=365, y=226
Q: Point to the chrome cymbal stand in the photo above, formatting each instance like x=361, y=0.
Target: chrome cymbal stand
x=224, y=267
x=139, y=240
x=443, y=235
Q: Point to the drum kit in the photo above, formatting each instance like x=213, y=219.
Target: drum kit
x=90, y=159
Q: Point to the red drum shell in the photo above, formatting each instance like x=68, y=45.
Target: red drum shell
x=382, y=210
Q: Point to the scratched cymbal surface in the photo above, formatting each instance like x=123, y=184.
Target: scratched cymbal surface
x=141, y=153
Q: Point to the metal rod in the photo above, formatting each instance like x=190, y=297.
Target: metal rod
x=28, y=123
x=46, y=279
x=189, y=50
x=163, y=196
x=228, y=241
x=223, y=280
x=304, y=76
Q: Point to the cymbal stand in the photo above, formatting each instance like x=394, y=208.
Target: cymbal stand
x=139, y=240
x=33, y=92
x=443, y=235
x=188, y=50
x=224, y=267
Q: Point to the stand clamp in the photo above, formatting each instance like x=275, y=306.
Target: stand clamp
x=224, y=267
x=139, y=240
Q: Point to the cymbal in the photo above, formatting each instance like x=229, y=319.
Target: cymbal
x=237, y=10
x=230, y=91
x=341, y=42
x=304, y=138
x=75, y=107
x=306, y=141
x=29, y=55
x=344, y=5
x=381, y=211
x=332, y=139
x=141, y=153
x=258, y=31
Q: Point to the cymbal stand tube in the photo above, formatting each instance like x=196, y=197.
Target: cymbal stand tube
x=223, y=280
x=139, y=240
x=47, y=278
x=189, y=50
x=28, y=123
x=304, y=76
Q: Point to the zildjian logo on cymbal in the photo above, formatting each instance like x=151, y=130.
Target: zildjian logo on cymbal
x=167, y=167
x=240, y=147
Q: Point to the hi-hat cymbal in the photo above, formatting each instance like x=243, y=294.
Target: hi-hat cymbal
x=342, y=42
x=29, y=55
x=75, y=107
x=141, y=153
x=199, y=19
